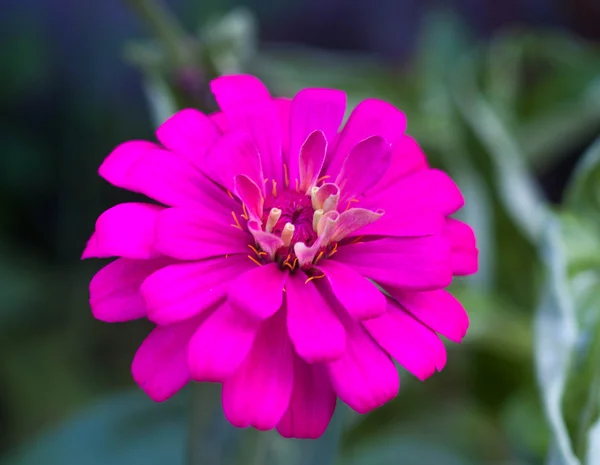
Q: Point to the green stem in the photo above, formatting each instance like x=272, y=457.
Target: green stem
x=165, y=26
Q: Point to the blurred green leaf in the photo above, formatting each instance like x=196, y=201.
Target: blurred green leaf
x=583, y=192
x=555, y=338
x=124, y=429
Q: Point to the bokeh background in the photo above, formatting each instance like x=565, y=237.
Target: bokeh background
x=503, y=95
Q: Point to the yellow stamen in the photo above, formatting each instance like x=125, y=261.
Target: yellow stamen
x=286, y=175
x=355, y=241
x=237, y=223
x=289, y=265
x=295, y=262
x=319, y=256
x=314, y=277
x=262, y=254
x=245, y=214
x=322, y=178
x=335, y=249
x=274, y=189
x=229, y=194
x=254, y=260
x=297, y=185
x=254, y=249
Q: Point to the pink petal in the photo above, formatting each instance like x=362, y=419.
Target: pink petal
x=425, y=190
x=284, y=108
x=259, y=291
x=178, y=292
x=413, y=345
x=259, y=392
x=312, y=156
x=314, y=110
x=188, y=234
x=261, y=122
x=370, y=118
x=313, y=326
x=407, y=157
x=116, y=166
x=221, y=344
x=312, y=403
x=220, y=121
x=358, y=296
x=268, y=242
x=437, y=309
x=188, y=133
x=415, y=263
x=363, y=168
x=353, y=220
x=115, y=290
x=92, y=249
x=249, y=193
x=128, y=230
x=364, y=378
x=234, y=154
x=159, y=366
x=409, y=223
x=235, y=90
x=464, y=249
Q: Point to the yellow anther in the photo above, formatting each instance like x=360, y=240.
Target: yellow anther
x=237, y=222
x=254, y=260
x=314, y=277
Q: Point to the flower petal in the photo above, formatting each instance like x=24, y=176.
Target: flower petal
x=259, y=392
x=313, y=326
x=415, y=347
x=371, y=117
x=363, y=168
x=234, y=154
x=365, y=377
x=159, y=366
x=352, y=220
x=437, y=309
x=409, y=223
x=235, y=90
x=249, y=193
x=284, y=108
x=115, y=290
x=358, y=296
x=425, y=190
x=221, y=344
x=187, y=234
x=407, y=157
x=180, y=291
x=128, y=230
x=314, y=110
x=189, y=133
x=259, y=291
x=261, y=122
x=417, y=263
x=463, y=244
x=312, y=403
x=311, y=158
x=117, y=164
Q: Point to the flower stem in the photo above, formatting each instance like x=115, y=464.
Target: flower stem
x=165, y=26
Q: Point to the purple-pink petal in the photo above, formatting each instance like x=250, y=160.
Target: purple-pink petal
x=235, y=90
x=128, y=230
x=221, y=344
x=358, y=296
x=437, y=309
x=188, y=133
x=417, y=263
x=464, y=250
x=364, y=377
x=160, y=366
x=259, y=291
x=190, y=234
x=115, y=289
x=314, y=110
x=183, y=290
x=250, y=195
x=312, y=404
x=313, y=326
x=259, y=392
x=415, y=347
x=116, y=166
x=311, y=158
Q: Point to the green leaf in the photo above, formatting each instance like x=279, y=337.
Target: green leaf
x=555, y=333
x=124, y=429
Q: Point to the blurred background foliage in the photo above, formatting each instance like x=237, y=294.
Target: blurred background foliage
x=503, y=95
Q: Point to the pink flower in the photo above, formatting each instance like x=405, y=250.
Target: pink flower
x=263, y=261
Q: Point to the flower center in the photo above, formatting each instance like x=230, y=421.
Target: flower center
x=296, y=209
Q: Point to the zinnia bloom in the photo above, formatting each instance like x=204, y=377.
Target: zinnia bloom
x=263, y=260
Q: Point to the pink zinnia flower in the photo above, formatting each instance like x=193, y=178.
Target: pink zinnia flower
x=263, y=261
